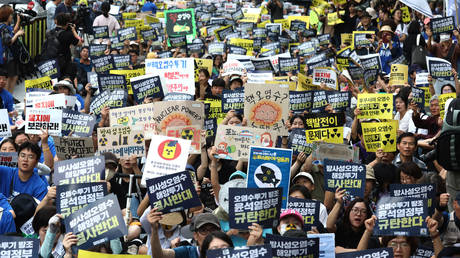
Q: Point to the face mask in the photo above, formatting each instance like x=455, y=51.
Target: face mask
x=286, y=227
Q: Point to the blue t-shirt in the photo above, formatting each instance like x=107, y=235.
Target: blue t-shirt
x=186, y=252
x=149, y=6
x=52, y=149
x=84, y=67
x=7, y=222
x=81, y=100
x=8, y=101
x=34, y=186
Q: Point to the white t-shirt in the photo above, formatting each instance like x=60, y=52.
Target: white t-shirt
x=50, y=10
x=110, y=21
x=406, y=124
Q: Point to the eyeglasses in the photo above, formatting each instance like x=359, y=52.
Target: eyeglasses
x=398, y=244
x=27, y=157
x=359, y=211
x=206, y=230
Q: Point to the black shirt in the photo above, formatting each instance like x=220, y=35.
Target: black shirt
x=66, y=38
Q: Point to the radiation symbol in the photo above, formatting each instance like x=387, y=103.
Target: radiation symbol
x=187, y=134
x=138, y=138
x=335, y=133
x=385, y=108
x=387, y=139
x=103, y=141
x=394, y=69
x=123, y=120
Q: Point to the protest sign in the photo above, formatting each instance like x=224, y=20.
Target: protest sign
x=262, y=64
x=374, y=253
x=233, y=66
x=324, y=127
x=233, y=100
x=375, y=105
x=343, y=152
x=266, y=106
x=101, y=32
x=257, y=251
x=166, y=155
x=49, y=68
x=128, y=75
x=9, y=159
x=339, y=100
x=149, y=35
x=96, y=50
x=293, y=247
x=103, y=64
x=77, y=123
x=443, y=98
x=380, y=135
x=171, y=193
x=40, y=83
x=421, y=79
x=36, y=100
x=123, y=141
x=418, y=97
x=196, y=48
x=439, y=68
x=176, y=113
x=215, y=109
x=442, y=25
x=72, y=197
x=176, y=74
x=270, y=168
x=178, y=42
x=96, y=223
x=138, y=117
x=371, y=61
x=42, y=118
x=319, y=101
x=401, y=216
x=5, y=130
x=297, y=25
x=233, y=142
x=297, y=142
x=362, y=39
x=127, y=34
x=259, y=77
x=202, y=64
x=112, y=99
x=307, y=48
x=80, y=170
x=69, y=147
x=309, y=209
x=254, y=205
x=111, y=82
x=146, y=86
x=300, y=101
x=325, y=75
x=424, y=191
x=346, y=38
x=398, y=74
x=88, y=254
x=189, y=132
x=121, y=61
x=216, y=48
x=12, y=246
x=222, y=32
x=289, y=64
x=423, y=252
x=345, y=175
x=180, y=22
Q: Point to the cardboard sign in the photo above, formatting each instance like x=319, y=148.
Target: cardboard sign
x=177, y=74
x=173, y=192
x=100, y=32
x=12, y=246
x=127, y=34
x=374, y=253
x=371, y=61
x=293, y=247
x=113, y=99
x=233, y=142
x=380, y=135
x=180, y=22
x=439, y=68
x=362, y=39
x=97, y=223
x=324, y=127
x=103, y=64
x=71, y=198
x=309, y=209
x=270, y=168
x=399, y=74
x=111, y=82
x=300, y=101
x=254, y=205
x=40, y=83
x=326, y=76
x=121, y=61
x=123, y=141
x=166, y=155
x=375, y=105
x=424, y=191
x=190, y=132
x=9, y=159
x=403, y=216
x=138, y=117
x=345, y=175
x=442, y=25
x=49, y=68
x=175, y=113
x=80, y=170
x=77, y=123
x=443, y=98
x=297, y=142
x=267, y=106
x=233, y=100
x=339, y=100
x=67, y=148
x=146, y=86
x=42, y=118
x=259, y=251
x=5, y=130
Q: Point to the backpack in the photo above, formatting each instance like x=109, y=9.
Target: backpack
x=419, y=53
x=51, y=45
x=447, y=147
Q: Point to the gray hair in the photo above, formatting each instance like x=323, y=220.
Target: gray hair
x=433, y=98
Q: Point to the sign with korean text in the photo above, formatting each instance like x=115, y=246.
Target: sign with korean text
x=123, y=141
x=103, y=64
x=12, y=246
x=324, y=127
x=77, y=123
x=257, y=251
x=69, y=147
x=418, y=96
x=370, y=62
x=293, y=247
x=424, y=191
x=380, y=135
x=233, y=100
x=309, y=209
x=362, y=39
x=70, y=198
x=88, y=254
x=345, y=175
x=326, y=76
x=5, y=130
x=180, y=22
x=138, y=117
x=374, y=253
x=439, y=68
x=146, y=86
x=40, y=83
x=80, y=170
x=101, y=32
x=442, y=25
x=49, y=68
x=127, y=34
x=38, y=119
x=297, y=142
x=9, y=159
x=443, y=98
x=175, y=113
x=339, y=100
x=112, y=99
x=398, y=74
x=176, y=74
x=300, y=101
x=375, y=105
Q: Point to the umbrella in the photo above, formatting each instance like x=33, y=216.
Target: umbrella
x=14, y=2
x=420, y=6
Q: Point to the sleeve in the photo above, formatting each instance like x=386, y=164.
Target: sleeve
x=7, y=224
x=96, y=22
x=9, y=103
x=47, y=246
x=182, y=251
x=42, y=190
x=51, y=146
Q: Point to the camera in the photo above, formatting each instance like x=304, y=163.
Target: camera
x=81, y=19
x=26, y=16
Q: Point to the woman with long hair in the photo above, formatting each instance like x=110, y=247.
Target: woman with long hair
x=105, y=19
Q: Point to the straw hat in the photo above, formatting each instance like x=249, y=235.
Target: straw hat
x=385, y=28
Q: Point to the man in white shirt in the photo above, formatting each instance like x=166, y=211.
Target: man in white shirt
x=50, y=10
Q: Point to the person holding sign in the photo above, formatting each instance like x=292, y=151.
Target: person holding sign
x=106, y=19
x=388, y=48
x=444, y=49
x=404, y=115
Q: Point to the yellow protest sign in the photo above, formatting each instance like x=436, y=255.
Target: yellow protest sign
x=202, y=63
x=338, y=2
x=380, y=135
x=133, y=23
x=250, y=17
x=346, y=38
x=127, y=16
x=151, y=19
x=443, y=98
x=305, y=19
x=405, y=14
x=160, y=14
x=375, y=105
x=305, y=83
x=398, y=74
x=324, y=127
x=129, y=74
x=284, y=22
x=40, y=83
x=215, y=110
x=88, y=254
x=248, y=44
x=427, y=95
x=333, y=19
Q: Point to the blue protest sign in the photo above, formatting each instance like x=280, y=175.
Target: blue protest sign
x=259, y=251
x=233, y=100
x=293, y=247
x=270, y=168
x=374, y=253
x=146, y=86
x=300, y=101
x=82, y=170
x=253, y=205
x=439, y=68
x=424, y=191
x=423, y=252
x=403, y=216
x=309, y=209
x=11, y=246
x=346, y=175
x=77, y=123
x=71, y=198
x=173, y=192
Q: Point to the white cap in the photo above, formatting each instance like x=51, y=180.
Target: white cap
x=304, y=174
x=371, y=11
x=444, y=37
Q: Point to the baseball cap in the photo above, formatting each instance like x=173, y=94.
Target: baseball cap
x=237, y=173
x=291, y=212
x=110, y=158
x=236, y=78
x=203, y=219
x=304, y=174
